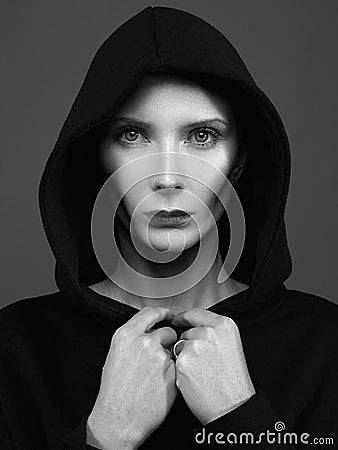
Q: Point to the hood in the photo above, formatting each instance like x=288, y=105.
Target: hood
x=158, y=39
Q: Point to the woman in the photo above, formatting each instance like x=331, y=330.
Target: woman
x=118, y=361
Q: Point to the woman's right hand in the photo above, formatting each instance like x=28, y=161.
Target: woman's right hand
x=138, y=380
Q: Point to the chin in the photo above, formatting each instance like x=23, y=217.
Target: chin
x=179, y=240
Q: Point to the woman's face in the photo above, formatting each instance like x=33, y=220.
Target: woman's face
x=170, y=116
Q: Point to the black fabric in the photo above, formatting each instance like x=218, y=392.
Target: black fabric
x=53, y=347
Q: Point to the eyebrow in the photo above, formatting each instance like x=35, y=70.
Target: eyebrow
x=203, y=122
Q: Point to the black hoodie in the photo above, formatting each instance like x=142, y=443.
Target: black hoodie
x=53, y=347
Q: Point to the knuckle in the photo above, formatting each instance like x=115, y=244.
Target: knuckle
x=162, y=357
x=232, y=324
x=193, y=346
x=121, y=333
x=181, y=363
x=145, y=341
x=209, y=333
x=221, y=321
x=184, y=363
x=226, y=322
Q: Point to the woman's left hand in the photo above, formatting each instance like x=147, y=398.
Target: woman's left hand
x=211, y=370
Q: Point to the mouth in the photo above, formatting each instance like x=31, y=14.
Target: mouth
x=170, y=218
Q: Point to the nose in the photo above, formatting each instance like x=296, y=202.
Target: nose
x=168, y=177
x=167, y=181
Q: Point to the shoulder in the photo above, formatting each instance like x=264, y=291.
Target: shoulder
x=32, y=304
x=311, y=303
x=315, y=315
x=28, y=315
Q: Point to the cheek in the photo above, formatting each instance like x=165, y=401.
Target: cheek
x=112, y=160
x=131, y=199
x=223, y=161
x=208, y=194
x=138, y=196
x=106, y=158
x=226, y=157
x=111, y=157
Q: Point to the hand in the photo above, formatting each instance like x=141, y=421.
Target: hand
x=137, y=385
x=211, y=370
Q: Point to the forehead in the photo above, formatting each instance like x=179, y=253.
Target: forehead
x=163, y=79
x=162, y=92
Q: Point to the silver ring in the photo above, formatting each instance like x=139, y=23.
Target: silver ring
x=173, y=349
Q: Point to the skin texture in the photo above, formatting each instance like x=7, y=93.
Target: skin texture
x=140, y=379
x=170, y=106
x=137, y=385
x=211, y=370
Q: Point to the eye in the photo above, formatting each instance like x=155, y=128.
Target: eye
x=201, y=136
x=130, y=135
x=204, y=137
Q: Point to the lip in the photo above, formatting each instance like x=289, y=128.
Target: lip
x=172, y=217
x=168, y=212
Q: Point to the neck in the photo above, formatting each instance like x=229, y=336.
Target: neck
x=149, y=291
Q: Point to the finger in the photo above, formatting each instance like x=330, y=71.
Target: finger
x=169, y=354
x=178, y=347
x=166, y=336
x=196, y=317
x=148, y=316
x=194, y=333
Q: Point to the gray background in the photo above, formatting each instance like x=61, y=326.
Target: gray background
x=289, y=46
